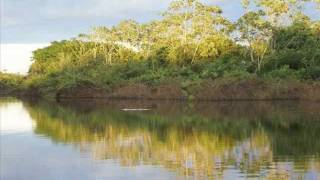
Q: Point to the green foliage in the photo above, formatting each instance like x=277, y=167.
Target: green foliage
x=299, y=35
x=284, y=73
x=225, y=66
x=297, y=51
x=192, y=42
x=10, y=82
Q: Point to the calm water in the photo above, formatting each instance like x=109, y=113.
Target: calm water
x=96, y=140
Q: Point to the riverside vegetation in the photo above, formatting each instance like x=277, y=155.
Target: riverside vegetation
x=193, y=52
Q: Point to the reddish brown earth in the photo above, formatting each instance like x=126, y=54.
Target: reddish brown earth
x=136, y=91
x=207, y=91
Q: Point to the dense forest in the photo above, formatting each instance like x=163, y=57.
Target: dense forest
x=193, y=42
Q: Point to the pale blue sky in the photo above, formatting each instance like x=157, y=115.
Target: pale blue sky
x=38, y=21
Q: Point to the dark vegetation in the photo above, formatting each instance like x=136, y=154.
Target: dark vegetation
x=10, y=83
x=191, y=45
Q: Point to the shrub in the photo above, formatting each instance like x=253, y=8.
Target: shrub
x=283, y=73
x=224, y=66
x=10, y=81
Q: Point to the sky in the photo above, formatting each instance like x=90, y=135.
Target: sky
x=39, y=21
x=16, y=58
x=42, y=21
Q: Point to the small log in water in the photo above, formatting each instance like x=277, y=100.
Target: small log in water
x=126, y=109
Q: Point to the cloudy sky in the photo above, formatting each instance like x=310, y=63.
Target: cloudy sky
x=39, y=22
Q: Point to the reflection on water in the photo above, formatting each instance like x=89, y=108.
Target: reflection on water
x=14, y=118
x=204, y=140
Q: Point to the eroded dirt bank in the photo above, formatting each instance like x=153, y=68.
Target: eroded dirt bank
x=206, y=91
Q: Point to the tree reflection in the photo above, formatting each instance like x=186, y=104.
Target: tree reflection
x=258, y=140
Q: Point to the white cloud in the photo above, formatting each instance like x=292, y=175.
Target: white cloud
x=16, y=58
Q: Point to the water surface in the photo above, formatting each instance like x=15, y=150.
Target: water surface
x=97, y=140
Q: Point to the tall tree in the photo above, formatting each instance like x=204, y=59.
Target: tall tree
x=255, y=32
x=105, y=40
x=195, y=30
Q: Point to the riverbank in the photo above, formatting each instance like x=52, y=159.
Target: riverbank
x=10, y=84
x=220, y=89
x=210, y=90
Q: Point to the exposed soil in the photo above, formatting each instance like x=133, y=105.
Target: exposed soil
x=207, y=91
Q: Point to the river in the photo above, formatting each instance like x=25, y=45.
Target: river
x=168, y=140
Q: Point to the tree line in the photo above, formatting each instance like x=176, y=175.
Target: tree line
x=192, y=41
